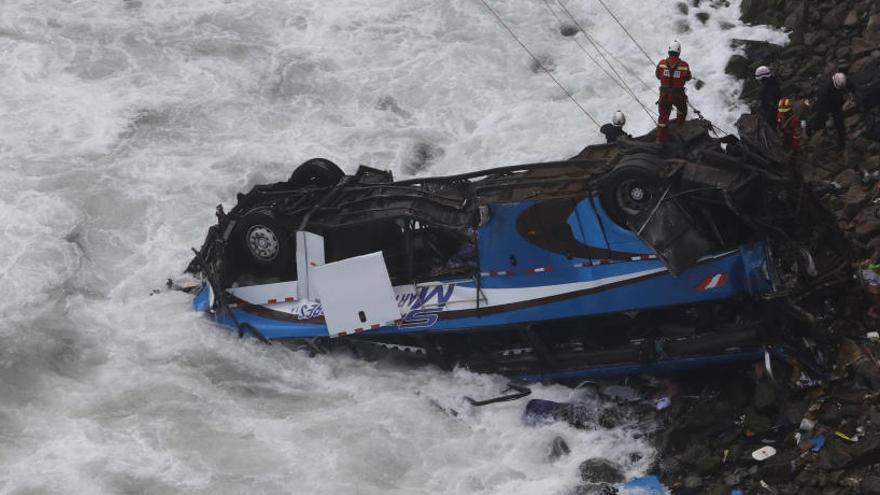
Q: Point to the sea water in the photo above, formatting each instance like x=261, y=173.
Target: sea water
x=126, y=121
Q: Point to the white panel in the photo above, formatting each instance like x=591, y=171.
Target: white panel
x=309, y=254
x=355, y=294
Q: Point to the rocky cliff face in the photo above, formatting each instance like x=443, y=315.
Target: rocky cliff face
x=826, y=37
x=825, y=439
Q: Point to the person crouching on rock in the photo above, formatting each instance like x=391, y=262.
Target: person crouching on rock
x=614, y=130
x=789, y=124
x=829, y=99
x=673, y=74
x=771, y=92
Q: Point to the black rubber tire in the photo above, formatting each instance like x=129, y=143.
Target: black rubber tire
x=317, y=172
x=262, y=246
x=632, y=188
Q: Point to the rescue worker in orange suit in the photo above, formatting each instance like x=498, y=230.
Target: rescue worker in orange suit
x=789, y=124
x=673, y=74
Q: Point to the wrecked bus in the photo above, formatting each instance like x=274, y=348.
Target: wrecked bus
x=625, y=258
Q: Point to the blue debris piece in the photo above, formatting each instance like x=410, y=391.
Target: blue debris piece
x=736, y=491
x=646, y=485
x=818, y=443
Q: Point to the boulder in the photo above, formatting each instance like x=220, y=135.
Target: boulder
x=598, y=470
x=595, y=489
x=851, y=19
x=738, y=67
x=867, y=228
x=796, y=17
x=848, y=178
x=834, y=19
x=752, y=10
x=558, y=449
x=855, y=199
x=870, y=485
x=765, y=396
x=862, y=47
x=872, y=31
x=834, y=456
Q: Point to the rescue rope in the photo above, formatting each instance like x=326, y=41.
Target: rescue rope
x=625, y=30
x=539, y=64
x=712, y=127
x=619, y=80
x=599, y=48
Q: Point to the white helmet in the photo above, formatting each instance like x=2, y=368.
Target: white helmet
x=763, y=72
x=839, y=80
x=674, y=47
x=619, y=119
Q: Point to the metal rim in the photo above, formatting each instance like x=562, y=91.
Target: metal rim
x=262, y=242
x=633, y=196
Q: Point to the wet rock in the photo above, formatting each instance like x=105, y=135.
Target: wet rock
x=796, y=17
x=834, y=19
x=757, y=423
x=848, y=178
x=734, y=478
x=568, y=30
x=542, y=63
x=874, y=416
x=738, y=67
x=777, y=469
x=855, y=199
x=595, y=489
x=866, y=451
x=423, y=156
x=612, y=417
x=717, y=489
x=558, y=449
x=598, y=470
x=872, y=30
x=765, y=397
x=834, y=456
x=868, y=227
x=682, y=26
x=752, y=10
x=870, y=485
x=693, y=481
x=830, y=415
x=861, y=47
x=851, y=19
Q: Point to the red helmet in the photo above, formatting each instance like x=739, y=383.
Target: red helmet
x=784, y=105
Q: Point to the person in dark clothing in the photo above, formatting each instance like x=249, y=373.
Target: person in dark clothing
x=771, y=93
x=829, y=100
x=614, y=130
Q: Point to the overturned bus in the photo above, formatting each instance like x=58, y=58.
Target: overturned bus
x=625, y=258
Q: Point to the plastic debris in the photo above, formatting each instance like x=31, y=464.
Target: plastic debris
x=767, y=487
x=818, y=442
x=807, y=424
x=846, y=437
x=736, y=491
x=647, y=485
x=763, y=453
x=662, y=403
x=873, y=335
x=767, y=364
